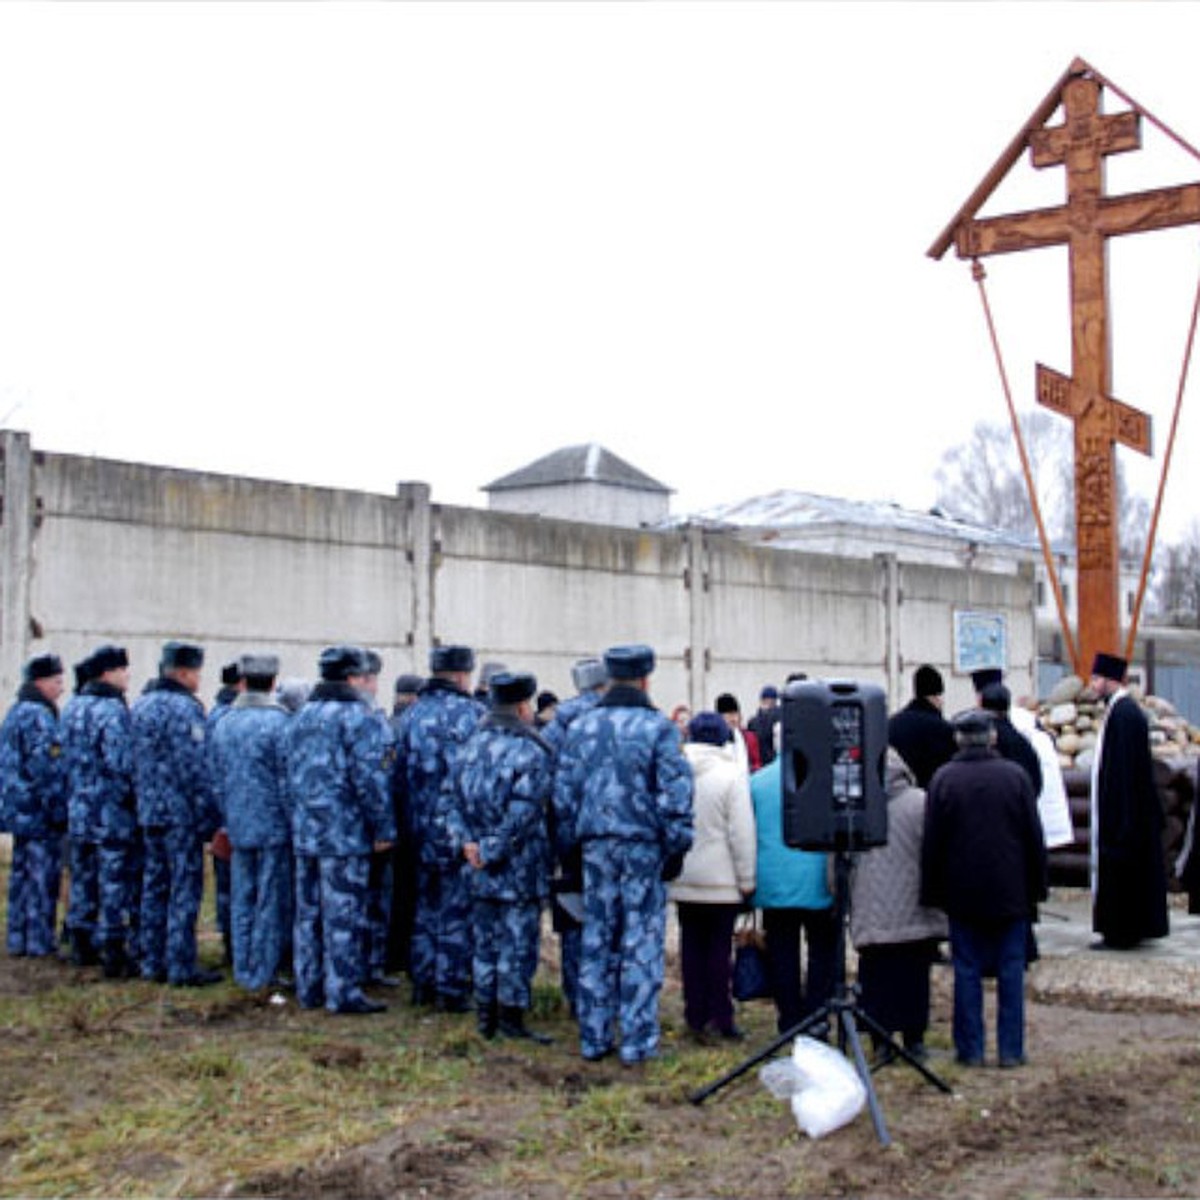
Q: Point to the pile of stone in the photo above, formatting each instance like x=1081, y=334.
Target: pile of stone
x=1072, y=715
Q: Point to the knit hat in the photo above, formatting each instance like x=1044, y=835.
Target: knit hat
x=727, y=703
x=928, y=681
x=709, y=728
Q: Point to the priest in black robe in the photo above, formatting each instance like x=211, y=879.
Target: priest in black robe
x=1129, y=878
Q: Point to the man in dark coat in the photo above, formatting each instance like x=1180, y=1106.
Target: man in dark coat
x=763, y=723
x=983, y=862
x=1129, y=884
x=918, y=732
x=1010, y=742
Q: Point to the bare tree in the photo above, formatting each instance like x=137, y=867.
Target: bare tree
x=981, y=480
x=1177, y=579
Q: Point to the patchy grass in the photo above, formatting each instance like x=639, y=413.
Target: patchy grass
x=136, y=1090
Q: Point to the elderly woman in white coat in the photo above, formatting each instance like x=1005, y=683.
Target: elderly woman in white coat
x=717, y=876
x=896, y=938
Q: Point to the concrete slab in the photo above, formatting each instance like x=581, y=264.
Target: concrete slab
x=1065, y=930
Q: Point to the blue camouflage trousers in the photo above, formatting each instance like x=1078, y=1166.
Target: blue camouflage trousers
x=331, y=927
x=223, y=883
x=570, y=942
x=261, y=912
x=121, y=866
x=506, y=935
x=33, y=885
x=379, y=913
x=83, y=904
x=172, y=886
x=441, y=940
x=621, y=967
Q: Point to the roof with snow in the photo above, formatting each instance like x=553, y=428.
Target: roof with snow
x=590, y=463
x=805, y=512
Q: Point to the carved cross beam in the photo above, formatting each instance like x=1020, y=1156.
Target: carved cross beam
x=1084, y=224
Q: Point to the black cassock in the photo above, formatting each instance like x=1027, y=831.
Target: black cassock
x=1131, y=887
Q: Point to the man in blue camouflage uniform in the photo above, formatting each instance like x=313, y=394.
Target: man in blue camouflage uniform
x=249, y=758
x=178, y=813
x=380, y=879
x=496, y=815
x=339, y=768
x=103, y=915
x=566, y=889
x=432, y=733
x=232, y=686
x=82, y=676
x=404, y=858
x=33, y=806
x=624, y=791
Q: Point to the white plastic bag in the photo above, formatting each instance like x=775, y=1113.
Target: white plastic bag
x=822, y=1084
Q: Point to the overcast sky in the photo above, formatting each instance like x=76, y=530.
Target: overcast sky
x=353, y=244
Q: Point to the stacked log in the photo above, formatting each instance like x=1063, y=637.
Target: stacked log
x=1072, y=715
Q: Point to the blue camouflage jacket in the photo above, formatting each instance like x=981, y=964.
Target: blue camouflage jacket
x=565, y=714
x=339, y=771
x=250, y=771
x=621, y=774
x=498, y=798
x=98, y=747
x=33, y=777
x=433, y=730
x=171, y=770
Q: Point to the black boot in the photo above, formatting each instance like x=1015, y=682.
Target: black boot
x=83, y=952
x=512, y=1025
x=486, y=1019
x=116, y=963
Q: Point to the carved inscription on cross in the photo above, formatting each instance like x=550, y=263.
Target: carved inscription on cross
x=1084, y=224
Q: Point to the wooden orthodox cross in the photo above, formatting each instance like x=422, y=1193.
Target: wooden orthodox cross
x=1084, y=224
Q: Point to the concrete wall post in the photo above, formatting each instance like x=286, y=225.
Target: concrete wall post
x=889, y=571
x=16, y=561
x=419, y=553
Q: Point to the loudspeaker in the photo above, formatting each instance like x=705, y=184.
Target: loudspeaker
x=834, y=752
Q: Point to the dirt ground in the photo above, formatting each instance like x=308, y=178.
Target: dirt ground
x=1108, y=1106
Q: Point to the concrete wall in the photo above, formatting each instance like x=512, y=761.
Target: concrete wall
x=95, y=550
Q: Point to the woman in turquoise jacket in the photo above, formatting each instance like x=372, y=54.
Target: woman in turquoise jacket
x=793, y=893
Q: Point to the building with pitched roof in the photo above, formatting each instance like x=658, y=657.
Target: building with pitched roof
x=582, y=483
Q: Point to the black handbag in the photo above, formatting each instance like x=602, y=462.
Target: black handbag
x=751, y=977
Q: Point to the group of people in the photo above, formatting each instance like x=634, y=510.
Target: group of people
x=350, y=842
x=972, y=854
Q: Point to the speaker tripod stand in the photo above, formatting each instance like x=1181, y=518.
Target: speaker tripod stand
x=843, y=1012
